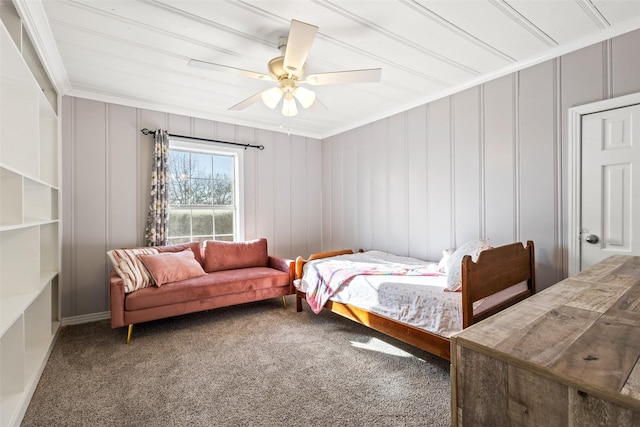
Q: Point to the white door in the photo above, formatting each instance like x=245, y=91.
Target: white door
x=610, y=193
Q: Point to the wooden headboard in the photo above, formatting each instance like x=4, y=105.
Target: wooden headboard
x=301, y=261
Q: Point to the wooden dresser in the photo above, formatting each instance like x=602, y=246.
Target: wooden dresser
x=567, y=356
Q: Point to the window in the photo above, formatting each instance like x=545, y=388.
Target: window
x=204, y=192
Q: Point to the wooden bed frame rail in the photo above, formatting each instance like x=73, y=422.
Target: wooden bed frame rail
x=494, y=270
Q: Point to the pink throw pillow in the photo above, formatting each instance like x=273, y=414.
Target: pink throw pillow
x=219, y=255
x=167, y=267
x=194, y=246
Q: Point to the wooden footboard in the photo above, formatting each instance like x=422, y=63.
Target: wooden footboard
x=495, y=270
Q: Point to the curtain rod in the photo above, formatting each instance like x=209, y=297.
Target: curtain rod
x=153, y=132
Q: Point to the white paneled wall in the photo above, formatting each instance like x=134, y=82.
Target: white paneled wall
x=490, y=161
x=439, y=188
x=486, y=162
x=106, y=166
x=500, y=190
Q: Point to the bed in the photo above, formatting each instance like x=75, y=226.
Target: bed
x=407, y=298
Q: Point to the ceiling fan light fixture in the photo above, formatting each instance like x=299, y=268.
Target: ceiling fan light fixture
x=271, y=97
x=289, y=107
x=305, y=96
x=288, y=69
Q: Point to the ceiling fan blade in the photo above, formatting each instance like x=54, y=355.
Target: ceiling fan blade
x=225, y=68
x=301, y=36
x=247, y=102
x=342, y=77
x=318, y=106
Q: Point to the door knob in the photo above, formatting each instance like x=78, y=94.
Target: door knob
x=592, y=238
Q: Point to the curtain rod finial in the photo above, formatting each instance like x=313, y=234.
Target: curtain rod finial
x=148, y=132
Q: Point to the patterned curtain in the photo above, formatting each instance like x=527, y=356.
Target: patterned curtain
x=158, y=216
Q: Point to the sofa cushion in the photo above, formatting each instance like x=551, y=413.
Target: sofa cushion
x=167, y=267
x=129, y=267
x=219, y=256
x=211, y=285
x=194, y=246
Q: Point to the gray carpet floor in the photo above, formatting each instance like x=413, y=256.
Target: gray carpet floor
x=252, y=365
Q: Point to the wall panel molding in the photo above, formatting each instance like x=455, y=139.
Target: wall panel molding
x=516, y=156
x=607, y=72
x=482, y=162
x=558, y=172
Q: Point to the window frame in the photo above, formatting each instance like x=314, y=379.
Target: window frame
x=183, y=144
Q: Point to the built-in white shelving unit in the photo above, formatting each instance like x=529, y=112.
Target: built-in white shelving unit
x=29, y=218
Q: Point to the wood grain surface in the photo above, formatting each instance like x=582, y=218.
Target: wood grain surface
x=572, y=349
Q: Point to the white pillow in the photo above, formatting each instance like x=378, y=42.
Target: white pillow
x=130, y=268
x=454, y=264
x=442, y=265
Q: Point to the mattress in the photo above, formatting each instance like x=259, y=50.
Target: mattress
x=417, y=300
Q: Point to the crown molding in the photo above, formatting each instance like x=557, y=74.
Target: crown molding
x=95, y=94
x=597, y=37
x=35, y=21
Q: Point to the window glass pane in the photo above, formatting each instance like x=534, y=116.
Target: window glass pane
x=201, y=192
x=201, y=165
x=222, y=192
x=179, y=222
x=179, y=170
x=179, y=164
x=179, y=160
x=202, y=222
x=224, y=222
x=178, y=240
x=178, y=191
x=225, y=238
x=223, y=167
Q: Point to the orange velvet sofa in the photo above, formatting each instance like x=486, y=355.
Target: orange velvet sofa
x=232, y=273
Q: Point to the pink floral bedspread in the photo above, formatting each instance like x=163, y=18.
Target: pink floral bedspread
x=327, y=277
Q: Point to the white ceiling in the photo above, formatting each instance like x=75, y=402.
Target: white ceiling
x=136, y=52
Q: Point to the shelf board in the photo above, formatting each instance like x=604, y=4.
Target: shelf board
x=28, y=176
x=46, y=277
x=35, y=223
x=11, y=308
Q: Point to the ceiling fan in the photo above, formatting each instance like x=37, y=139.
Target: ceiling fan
x=288, y=71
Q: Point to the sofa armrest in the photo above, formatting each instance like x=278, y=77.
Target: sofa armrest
x=285, y=265
x=116, y=293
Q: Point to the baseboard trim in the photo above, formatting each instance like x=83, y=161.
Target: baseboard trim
x=85, y=318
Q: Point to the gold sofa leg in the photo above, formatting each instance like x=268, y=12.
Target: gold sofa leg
x=284, y=301
x=129, y=333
